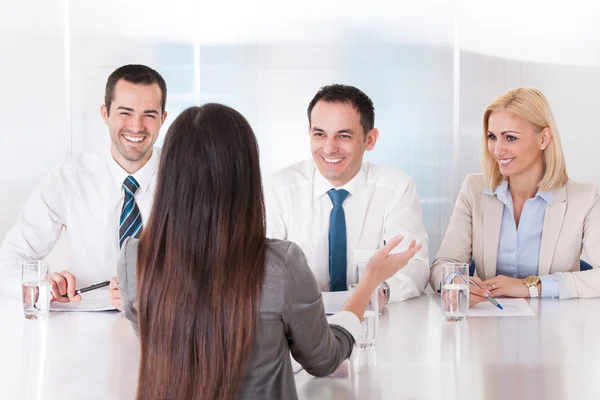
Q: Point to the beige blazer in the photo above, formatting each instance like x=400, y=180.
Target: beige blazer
x=571, y=225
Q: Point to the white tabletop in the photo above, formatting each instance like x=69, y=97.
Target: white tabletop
x=554, y=355
x=84, y=355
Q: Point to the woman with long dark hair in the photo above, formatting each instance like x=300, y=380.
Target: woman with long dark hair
x=217, y=305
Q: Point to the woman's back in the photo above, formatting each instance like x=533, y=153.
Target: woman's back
x=291, y=317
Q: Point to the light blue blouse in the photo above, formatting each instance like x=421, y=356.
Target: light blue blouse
x=519, y=248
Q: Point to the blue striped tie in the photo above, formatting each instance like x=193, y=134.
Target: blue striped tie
x=131, y=219
x=337, y=241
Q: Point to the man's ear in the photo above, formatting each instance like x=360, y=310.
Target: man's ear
x=104, y=113
x=371, y=139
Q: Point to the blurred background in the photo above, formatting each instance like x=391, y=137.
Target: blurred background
x=430, y=67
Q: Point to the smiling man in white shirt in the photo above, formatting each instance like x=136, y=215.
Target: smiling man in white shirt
x=97, y=200
x=340, y=209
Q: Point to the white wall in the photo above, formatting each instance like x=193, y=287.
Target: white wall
x=571, y=91
x=411, y=87
x=34, y=131
x=429, y=66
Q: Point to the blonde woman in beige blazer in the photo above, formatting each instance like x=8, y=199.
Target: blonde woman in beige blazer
x=523, y=222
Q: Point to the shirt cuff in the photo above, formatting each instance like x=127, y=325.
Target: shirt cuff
x=549, y=286
x=347, y=320
x=402, y=287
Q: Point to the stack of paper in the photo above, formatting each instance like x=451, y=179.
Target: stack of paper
x=95, y=300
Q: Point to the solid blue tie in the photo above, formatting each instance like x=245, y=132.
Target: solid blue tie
x=337, y=241
x=131, y=219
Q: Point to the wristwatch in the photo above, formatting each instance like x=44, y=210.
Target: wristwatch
x=386, y=291
x=531, y=282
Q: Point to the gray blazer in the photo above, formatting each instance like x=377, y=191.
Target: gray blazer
x=291, y=318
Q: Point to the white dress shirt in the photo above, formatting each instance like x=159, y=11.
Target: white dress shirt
x=84, y=196
x=382, y=203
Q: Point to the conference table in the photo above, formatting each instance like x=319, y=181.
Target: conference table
x=552, y=355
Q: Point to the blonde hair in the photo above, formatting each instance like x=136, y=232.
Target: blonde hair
x=531, y=105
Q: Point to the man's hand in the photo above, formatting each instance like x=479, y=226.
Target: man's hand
x=63, y=283
x=115, y=294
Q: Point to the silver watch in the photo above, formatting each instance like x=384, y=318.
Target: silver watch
x=386, y=291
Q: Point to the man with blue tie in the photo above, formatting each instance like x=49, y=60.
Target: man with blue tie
x=340, y=209
x=97, y=201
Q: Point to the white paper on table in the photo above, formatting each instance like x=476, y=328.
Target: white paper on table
x=333, y=301
x=512, y=308
x=94, y=300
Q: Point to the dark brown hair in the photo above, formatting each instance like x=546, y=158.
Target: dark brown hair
x=355, y=97
x=137, y=74
x=201, y=259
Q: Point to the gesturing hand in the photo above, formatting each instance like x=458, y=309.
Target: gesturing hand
x=383, y=265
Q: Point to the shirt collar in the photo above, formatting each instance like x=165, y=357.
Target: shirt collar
x=143, y=176
x=321, y=185
x=500, y=191
x=546, y=196
x=503, y=193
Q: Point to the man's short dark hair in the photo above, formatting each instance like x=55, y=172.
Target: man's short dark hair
x=139, y=75
x=337, y=93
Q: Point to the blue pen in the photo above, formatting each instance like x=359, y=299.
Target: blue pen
x=489, y=298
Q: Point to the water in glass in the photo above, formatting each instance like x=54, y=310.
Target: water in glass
x=36, y=299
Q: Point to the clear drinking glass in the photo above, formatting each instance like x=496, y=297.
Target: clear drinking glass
x=455, y=291
x=365, y=374
x=370, y=321
x=35, y=286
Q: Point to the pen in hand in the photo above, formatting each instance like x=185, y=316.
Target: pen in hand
x=92, y=287
x=489, y=298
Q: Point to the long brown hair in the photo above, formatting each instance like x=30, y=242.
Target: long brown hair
x=201, y=259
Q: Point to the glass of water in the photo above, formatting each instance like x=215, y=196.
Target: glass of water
x=35, y=286
x=370, y=321
x=359, y=270
x=455, y=291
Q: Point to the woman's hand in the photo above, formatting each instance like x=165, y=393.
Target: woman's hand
x=504, y=286
x=477, y=294
x=383, y=265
